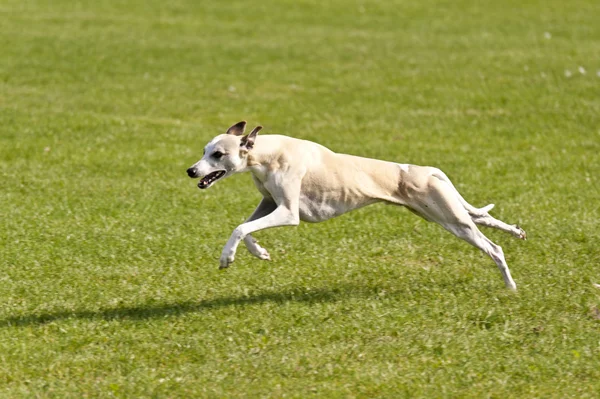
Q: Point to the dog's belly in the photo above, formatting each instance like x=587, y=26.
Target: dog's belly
x=319, y=208
x=314, y=212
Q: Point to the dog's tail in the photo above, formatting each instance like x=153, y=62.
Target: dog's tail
x=470, y=208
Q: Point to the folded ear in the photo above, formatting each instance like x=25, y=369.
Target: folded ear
x=248, y=141
x=237, y=129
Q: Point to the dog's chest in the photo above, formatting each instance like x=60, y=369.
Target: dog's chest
x=318, y=199
x=313, y=206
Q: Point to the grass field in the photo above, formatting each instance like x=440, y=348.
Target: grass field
x=109, y=280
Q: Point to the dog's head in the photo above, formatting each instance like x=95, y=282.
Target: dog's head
x=224, y=155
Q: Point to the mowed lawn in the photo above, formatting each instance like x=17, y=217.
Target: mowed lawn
x=109, y=280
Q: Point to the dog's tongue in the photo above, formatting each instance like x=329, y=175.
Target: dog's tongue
x=202, y=184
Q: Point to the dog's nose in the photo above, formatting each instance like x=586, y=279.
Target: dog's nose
x=191, y=172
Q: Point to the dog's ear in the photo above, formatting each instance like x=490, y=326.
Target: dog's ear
x=237, y=129
x=248, y=141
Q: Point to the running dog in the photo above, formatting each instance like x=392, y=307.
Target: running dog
x=302, y=180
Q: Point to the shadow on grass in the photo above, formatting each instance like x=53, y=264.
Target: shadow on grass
x=150, y=311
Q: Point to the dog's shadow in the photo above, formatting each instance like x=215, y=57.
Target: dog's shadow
x=150, y=311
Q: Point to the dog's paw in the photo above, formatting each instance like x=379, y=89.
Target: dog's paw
x=265, y=255
x=520, y=233
x=260, y=252
x=256, y=249
x=225, y=261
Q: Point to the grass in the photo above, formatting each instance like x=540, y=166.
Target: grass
x=108, y=269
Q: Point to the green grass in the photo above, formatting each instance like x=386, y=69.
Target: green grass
x=108, y=267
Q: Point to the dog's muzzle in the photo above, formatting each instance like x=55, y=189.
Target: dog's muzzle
x=209, y=179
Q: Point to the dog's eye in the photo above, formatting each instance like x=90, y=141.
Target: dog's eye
x=217, y=154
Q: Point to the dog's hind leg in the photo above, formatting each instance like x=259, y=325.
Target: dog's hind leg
x=473, y=236
x=488, y=220
x=441, y=205
x=266, y=206
x=481, y=216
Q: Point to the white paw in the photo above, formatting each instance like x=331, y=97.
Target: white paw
x=226, y=260
x=520, y=233
x=256, y=249
x=260, y=252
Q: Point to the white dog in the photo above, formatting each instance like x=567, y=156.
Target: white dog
x=302, y=180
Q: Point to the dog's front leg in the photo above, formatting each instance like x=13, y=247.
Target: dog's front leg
x=266, y=206
x=283, y=215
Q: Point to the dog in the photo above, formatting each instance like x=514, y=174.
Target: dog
x=303, y=180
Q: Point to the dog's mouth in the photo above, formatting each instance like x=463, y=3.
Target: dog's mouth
x=210, y=178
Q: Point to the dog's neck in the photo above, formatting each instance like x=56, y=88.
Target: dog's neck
x=265, y=157
x=263, y=152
